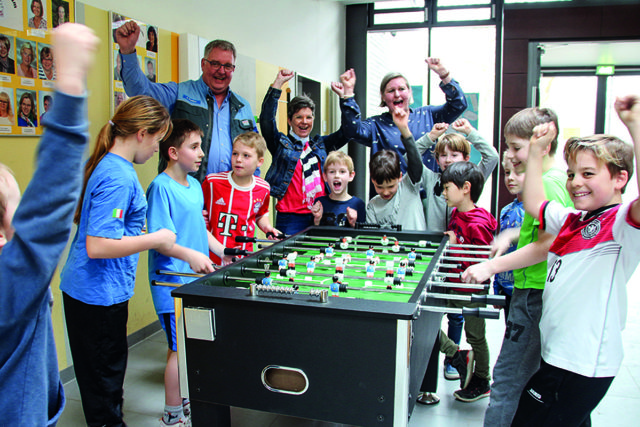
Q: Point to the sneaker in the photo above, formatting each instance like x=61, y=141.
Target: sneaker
x=450, y=373
x=463, y=362
x=186, y=408
x=182, y=422
x=428, y=398
x=477, y=389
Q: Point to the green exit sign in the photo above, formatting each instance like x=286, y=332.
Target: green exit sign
x=605, y=70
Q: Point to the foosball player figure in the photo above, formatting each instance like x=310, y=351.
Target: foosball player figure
x=291, y=259
x=282, y=266
x=396, y=247
x=411, y=256
x=371, y=268
x=339, y=269
x=402, y=270
x=385, y=240
x=388, y=277
x=267, y=280
x=370, y=252
x=329, y=250
x=311, y=265
x=335, y=286
x=346, y=259
x=344, y=244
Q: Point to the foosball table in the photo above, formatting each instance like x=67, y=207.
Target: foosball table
x=331, y=324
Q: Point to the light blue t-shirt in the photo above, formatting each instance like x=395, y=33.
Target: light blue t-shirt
x=178, y=208
x=114, y=206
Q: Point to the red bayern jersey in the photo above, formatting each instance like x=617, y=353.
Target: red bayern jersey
x=233, y=210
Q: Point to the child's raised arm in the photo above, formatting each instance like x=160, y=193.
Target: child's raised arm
x=414, y=161
x=628, y=109
x=539, y=145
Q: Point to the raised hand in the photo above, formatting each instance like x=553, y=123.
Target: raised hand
x=437, y=130
x=283, y=76
x=462, y=125
x=127, y=37
x=75, y=46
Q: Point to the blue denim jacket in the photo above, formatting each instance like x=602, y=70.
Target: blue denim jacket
x=380, y=133
x=285, y=150
x=193, y=100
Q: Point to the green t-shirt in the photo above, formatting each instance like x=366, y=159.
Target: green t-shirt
x=534, y=276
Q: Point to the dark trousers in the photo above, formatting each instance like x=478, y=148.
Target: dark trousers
x=98, y=342
x=556, y=397
x=292, y=223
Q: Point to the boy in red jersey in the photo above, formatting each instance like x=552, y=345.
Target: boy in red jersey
x=237, y=201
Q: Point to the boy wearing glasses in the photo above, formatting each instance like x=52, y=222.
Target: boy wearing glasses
x=208, y=101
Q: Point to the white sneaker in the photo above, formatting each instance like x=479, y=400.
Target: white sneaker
x=183, y=422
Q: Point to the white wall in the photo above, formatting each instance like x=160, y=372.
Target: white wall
x=307, y=36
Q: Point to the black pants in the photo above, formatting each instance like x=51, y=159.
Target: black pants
x=98, y=342
x=555, y=397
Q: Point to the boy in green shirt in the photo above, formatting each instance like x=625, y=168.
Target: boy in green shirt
x=519, y=356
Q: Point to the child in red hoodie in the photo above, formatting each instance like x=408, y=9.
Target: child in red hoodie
x=471, y=225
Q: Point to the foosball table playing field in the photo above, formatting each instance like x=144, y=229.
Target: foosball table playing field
x=331, y=324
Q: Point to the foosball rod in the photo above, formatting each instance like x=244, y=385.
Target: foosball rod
x=484, y=312
x=313, y=285
x=347, y=266
x=257, y=270
x=475, y=298
x=479, y=286
x=295, y=248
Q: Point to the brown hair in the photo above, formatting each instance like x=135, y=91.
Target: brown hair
x=252, y=140
x=133, y=115
x=181, y=129
x=616, y=155
x=522, y=123
x=339, y=157
x=384, y=166
x=455, y=142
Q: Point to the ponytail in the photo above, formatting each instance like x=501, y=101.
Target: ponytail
x=133, y=115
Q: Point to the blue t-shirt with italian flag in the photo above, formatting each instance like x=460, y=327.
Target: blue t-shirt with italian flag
x=114, y=206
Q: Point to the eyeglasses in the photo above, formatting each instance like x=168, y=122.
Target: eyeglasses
x=216, y=66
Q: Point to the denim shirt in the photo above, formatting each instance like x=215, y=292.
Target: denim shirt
x=380, y=133
x=286, y=150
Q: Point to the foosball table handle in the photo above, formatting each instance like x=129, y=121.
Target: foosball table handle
x=368, y=226
x=483, y=312
x=235, y=251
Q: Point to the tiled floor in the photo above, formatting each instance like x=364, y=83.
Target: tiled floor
x=144, y=394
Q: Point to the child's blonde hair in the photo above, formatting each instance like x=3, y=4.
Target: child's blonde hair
x=339, y=157
x=455, y=142
x=607, y=149
x=252, y=140
x=3, y=185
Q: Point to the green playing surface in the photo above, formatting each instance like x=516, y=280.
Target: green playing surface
x=355, y=276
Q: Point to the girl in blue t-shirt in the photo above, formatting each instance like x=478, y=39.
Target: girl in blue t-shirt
x=98, y=278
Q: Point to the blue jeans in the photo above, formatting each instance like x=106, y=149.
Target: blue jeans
x=456, y=322
x=292, y=223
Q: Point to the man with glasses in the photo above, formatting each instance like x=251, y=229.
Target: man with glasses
x=208, y=101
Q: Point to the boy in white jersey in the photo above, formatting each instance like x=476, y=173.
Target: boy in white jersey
x=237, y=201
x=596, y=250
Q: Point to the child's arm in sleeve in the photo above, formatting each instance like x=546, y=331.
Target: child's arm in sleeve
x=414, y=160
x=628, y=109
x=429, y=139
x=533, y=195
x=531, y=254
x=489, y=154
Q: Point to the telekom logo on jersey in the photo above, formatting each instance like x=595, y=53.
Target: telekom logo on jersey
x=227, y=222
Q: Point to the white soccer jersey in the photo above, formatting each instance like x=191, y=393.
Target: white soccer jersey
x=233, y=210
x=585, y=301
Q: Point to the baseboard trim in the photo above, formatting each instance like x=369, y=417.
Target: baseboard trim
x=68, y=374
